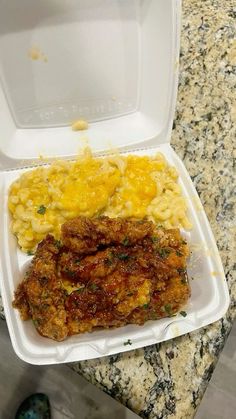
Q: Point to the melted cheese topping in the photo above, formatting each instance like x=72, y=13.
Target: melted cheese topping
x=42, y=199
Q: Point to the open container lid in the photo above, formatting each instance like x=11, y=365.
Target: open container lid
x=113, y=63
x=110, y=62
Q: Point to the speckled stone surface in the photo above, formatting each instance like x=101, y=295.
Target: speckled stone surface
x=168, y=380
x=1, y=309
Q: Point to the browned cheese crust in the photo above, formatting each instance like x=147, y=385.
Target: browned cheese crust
x=118, y=271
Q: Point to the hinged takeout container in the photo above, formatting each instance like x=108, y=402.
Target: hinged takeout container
x=113, y=63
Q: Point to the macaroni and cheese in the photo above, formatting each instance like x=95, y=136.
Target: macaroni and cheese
x=42, y=199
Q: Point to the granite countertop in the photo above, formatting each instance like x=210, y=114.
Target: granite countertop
x=168, y=380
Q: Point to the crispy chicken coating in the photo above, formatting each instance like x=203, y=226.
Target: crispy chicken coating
x=84, y=235
x=105, y=273
x=40, y=296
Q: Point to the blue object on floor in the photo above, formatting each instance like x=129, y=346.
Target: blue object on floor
x=36, y=406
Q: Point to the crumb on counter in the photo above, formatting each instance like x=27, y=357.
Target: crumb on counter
x=79, y=125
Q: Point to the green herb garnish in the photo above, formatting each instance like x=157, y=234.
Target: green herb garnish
x=70, y=273
x=178, y=253
x=79, y=290
x=41, y=210
x=30, y=253
x=110, y=259
x=184, y=280
x=146, y=305
x=128, y=342
x=57, y=242
x=183, y=313
x=163, y=252
x=94, y=287
x=36, y=322
x=125, y=241
x=168, y=309
x=154, y=239
x=108, y=262
x=123, y=256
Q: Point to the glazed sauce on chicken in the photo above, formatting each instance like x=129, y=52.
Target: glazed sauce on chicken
x=104, y=273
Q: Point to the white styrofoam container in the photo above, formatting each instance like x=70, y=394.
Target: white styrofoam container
x=114, y=63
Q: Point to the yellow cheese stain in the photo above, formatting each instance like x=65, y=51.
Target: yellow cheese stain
x=175, y=330
x=35, y=54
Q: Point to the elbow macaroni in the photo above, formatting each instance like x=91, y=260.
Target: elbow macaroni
x=42, y=199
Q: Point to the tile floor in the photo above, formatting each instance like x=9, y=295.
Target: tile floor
x=74, y=398
x=219, y=401
x=71, y=396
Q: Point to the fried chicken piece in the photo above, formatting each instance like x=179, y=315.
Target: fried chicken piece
x=148, y=282
x=106, y=303
x=41, y=293
x=84, y=235
x=85, y=268
x=21, y=302
x=127, y=276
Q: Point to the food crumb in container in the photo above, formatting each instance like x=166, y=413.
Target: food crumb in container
x=128, y=342
x=36, y=54
x=79, y=125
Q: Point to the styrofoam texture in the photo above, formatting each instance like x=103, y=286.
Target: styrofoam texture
x=112, y=62
x=150, y=30
x=208, y=302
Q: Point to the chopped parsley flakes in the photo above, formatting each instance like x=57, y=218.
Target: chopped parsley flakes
x=154, y=239
x=168, y=309
x=108, y=262
x=184, y=280
x=41, y=210
x=128, y=342
x=79, y=290
x=58, y=244
x=70, y=273
x=36, y=322
x=94, y=287
x=125, y=241
x=123, y=256
x=183, y=313
x=163, y=252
